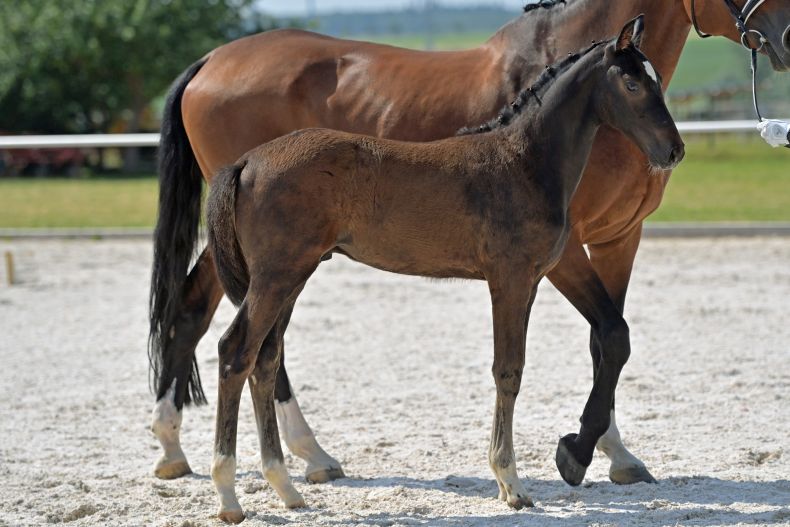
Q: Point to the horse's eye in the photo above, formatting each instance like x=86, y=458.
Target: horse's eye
x=631, y=86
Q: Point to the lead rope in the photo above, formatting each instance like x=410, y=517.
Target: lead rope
x=775, y=132
x=754, y=85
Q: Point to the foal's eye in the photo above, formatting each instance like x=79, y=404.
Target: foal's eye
x=631, y=86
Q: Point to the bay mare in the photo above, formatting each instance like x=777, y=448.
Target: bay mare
x=491, y=205
x=261, y=87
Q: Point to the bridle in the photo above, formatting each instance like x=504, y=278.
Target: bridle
x=775, y=132
x=741, y=16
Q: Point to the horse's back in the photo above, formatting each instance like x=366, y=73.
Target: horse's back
x=264, y=86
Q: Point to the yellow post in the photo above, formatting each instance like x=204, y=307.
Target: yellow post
x=9, y=267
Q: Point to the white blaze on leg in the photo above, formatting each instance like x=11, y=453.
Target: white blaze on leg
x=166, y=425
x=650, y=71
x=277, y=476
x=300, y=440
x=612, y=445
x=223, y=473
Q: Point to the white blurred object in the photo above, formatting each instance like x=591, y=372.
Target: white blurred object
x=775, y=132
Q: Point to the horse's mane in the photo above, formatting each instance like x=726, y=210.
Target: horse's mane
x=529, y=95
x=542, y=4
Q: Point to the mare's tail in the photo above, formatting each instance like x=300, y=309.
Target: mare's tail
x=175, y=238
x=222, y=240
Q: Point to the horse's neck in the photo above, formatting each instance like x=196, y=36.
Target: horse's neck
x=562, y=128
x=543, y=36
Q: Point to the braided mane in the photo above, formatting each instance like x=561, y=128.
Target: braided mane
x=545, y=4
x=532, y=94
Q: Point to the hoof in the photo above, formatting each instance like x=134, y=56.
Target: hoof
x=626, y=476
x=171, y=469
x=325, y=475
x=571, y=470
x=231, y=516
x=519, y=502
x=297, y=502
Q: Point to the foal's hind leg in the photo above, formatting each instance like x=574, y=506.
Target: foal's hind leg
x=613, y=263
x=268, y=294
x=200, y=297
x=321, y=467
x=511, y=306
x=262, y=382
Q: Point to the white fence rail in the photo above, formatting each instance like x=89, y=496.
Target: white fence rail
x=128, y=140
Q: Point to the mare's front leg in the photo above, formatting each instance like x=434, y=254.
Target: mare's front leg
x=575, y=277
x=178, y=369
x=613, y=263
x=321, y=467
x=511, y=300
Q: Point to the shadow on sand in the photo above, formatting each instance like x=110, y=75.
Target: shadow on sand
x=694, y=500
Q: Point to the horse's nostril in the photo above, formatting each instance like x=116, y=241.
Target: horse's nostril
x=786, y=39
x=676, y=155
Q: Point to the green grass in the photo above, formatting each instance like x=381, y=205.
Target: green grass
x=728, y=180
x=721, y=179
x=97, y=202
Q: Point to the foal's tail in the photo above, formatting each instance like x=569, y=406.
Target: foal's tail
x=222, y=240
x=175, y=237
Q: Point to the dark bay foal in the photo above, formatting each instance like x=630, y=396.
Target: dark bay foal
x=491, y=204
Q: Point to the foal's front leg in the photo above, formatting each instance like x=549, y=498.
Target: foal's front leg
x=511, y=305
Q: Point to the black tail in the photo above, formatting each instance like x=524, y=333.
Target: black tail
x=222, y=241
x=175, y=236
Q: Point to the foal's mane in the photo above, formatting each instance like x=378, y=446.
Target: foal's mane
x=542, y=4
x=529, y=97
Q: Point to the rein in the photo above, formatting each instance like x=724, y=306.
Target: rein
x=775, y=132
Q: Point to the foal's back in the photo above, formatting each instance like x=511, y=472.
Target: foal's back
x=413, y=208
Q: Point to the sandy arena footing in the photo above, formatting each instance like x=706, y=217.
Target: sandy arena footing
x=393, y=373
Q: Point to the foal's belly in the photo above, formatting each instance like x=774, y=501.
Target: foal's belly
x=412, y=256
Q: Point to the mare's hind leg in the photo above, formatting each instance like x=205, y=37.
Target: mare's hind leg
x=613, y=263
x=199, y=299
x=321, y=467
x=511, y=303
x=268, y=294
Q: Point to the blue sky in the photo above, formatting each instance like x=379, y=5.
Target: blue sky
x=299, y=7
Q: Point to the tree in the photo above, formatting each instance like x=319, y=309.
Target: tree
x=78, y=67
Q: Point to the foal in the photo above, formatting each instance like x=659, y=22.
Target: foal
x=490, y=205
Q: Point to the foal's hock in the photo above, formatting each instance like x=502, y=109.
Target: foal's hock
x=490, y=204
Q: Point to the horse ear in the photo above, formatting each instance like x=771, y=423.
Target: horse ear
x=631, y=33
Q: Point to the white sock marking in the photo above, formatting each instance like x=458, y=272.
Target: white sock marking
x=166, y=425
x=223, y=472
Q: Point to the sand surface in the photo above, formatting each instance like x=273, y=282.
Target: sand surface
x=394, y=375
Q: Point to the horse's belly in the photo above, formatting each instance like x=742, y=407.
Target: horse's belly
x=411, y=257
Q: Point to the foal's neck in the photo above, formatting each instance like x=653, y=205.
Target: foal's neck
x=557, y=137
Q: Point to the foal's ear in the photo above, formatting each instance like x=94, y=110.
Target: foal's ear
x=631, y=33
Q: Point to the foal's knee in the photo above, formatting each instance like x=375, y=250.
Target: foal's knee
x=615, y=343
x=508, y=379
